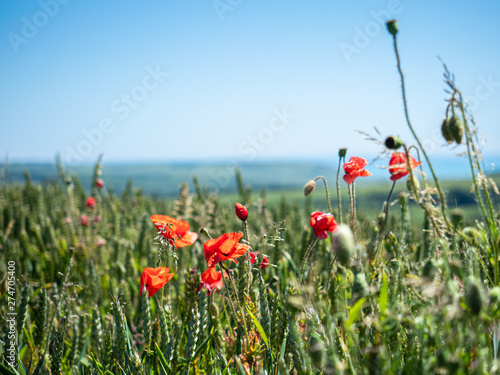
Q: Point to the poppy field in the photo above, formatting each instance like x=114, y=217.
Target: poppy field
x=94, y=282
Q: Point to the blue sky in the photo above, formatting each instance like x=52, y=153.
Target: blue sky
x=177, y=80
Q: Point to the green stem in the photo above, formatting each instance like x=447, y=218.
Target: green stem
x=327, y=192
x=339, y=199
x=405, y=105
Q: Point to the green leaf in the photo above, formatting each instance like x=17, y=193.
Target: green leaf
x=353, y=314
x=259, y=327
x=163, y=361
x=4, y=370
x=384, y=296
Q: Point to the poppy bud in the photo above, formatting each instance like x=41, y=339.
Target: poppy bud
x=309, y=187
x=393, y=143
x=456, y=129
x=343, y=242
x=392, y=27
x=457, y=217
x=99, y=183
x=342, y=152
x=317, y=351
x=412, y=184
x=241, y=211
x=445, y=130
x=474, y=296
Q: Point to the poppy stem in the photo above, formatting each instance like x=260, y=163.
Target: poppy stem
x=306, y=256
x=235, y=295
x=387, y=203
x=407, y=117
x=339, y=199
x=327, y=192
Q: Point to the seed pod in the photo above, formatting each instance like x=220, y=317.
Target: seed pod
x=456, y=129
x=309, y=187
x=445, y=130
x=343, y=244
x=474, y=296
x=393, y=143
x=392, y=27
x=342, y=152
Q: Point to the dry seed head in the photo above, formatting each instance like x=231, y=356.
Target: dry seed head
x=309, y=187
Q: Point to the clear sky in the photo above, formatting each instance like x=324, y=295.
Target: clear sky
x=178, y=80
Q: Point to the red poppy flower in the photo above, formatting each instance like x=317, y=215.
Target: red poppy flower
x=154, y=279
x=322, y=222
x=398, y=166
x=211, y=279
x=90, y=202
x=253, y=257
x=84, y=220
x=99, y=183
x=175, y=231
x=241, y=211
x=225, y=247
x=355, y=168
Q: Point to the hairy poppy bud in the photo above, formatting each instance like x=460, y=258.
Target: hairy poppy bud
x=309, y=187
x=343, y=242
x=241, y=211
x=317, y=351
x=393, y=143
x=474, y=296
x=456, y=129
x=392, y=27
x=457, y=217
x=445, y=130
x=412, y=184
x=342, y=152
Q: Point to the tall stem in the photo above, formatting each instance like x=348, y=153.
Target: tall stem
x=339, y=199
x=327, y=192
x=405, y=105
